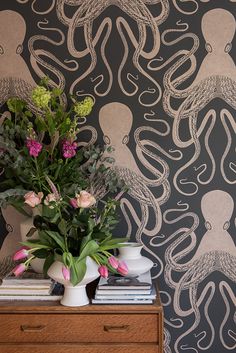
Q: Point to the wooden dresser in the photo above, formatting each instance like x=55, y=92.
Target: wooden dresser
x=48, y=327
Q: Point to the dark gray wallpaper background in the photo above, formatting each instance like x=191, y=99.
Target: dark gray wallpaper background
x=163, y=75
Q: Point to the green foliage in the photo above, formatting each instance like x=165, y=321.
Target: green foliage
x=75, y=234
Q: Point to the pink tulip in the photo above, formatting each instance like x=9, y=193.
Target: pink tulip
x=73, y=203
x=103, y=270
x=122, y=268
x=113, y=262
x=32, y=199
x=66, y=273
x=19, y=269
x=22, y=253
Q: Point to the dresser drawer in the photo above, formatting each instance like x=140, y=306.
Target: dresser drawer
x=73, y=348
x=69, y=328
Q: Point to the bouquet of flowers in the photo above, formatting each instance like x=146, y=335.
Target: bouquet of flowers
x=44, y=166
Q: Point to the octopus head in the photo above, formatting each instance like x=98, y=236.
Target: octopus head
x=14, y=24
x=115, y=120
x=217, y=209
x=218, y=28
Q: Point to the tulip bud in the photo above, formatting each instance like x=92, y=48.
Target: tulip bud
x=103, y=270
x=22, y=253
x=74, y=203
x=113, y=262
x=19, y=269
x=66, y=273
x=122, y=268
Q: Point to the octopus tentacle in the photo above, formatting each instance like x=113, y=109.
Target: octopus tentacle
x=88, y=38
x=223, y=114
x=223, y=286
x=168, y=84
x=45, y=11
x=103, y=55
x=187, y=12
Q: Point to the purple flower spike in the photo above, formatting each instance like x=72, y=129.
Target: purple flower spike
x=69, y=149
x=34, y=147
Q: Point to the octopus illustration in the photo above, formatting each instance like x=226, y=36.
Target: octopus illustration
x=115, y=120
x=84, y=16
x=216, y=78
x=15, y=77
x=216, y=252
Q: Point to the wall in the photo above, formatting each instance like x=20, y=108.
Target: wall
x=163, y=76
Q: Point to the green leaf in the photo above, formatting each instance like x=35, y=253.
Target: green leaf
x=34, y=244
x=85, y=240
x=90, y=248
x=41, y=253
x=114, y=241
x=78, y=271
x=58, y=238
x=47, y=263
x=49, y=213
x=62, y=225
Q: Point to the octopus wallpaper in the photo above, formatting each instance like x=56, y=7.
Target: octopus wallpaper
x=163, y=77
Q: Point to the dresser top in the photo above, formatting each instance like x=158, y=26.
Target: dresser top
x=52, y=307
x=17, y=306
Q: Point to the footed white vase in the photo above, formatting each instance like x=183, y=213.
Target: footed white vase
x=135, y=261
x=25, y=226
x=74, y=295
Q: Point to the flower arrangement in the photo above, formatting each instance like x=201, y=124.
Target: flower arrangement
x=46, y=168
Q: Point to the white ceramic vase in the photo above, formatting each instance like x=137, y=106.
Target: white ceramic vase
x=25, y=226
x=74, y=295
x=137, y=264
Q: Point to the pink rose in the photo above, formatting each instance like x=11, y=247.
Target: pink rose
x=50, y=198
x=85, y=199
x=32, y=199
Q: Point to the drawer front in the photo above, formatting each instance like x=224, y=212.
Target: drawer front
x=69, y=348
x=69, y=328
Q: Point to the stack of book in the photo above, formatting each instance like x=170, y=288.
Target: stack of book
x=125, y=290
x=29, y=286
